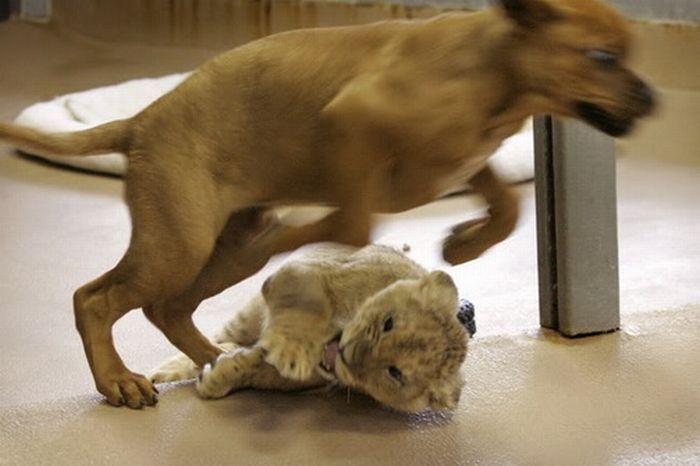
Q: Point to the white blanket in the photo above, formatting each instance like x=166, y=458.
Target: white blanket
x=82, y=110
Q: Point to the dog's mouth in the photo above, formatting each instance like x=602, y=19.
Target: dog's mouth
x=330, y=354
x=600, y=119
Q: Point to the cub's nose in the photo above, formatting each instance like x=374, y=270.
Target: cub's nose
x=353, y=352
x=341, y=352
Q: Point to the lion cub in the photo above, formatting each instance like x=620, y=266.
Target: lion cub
x=370, y=319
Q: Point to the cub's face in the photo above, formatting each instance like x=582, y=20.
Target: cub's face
x=574, y=54
x=405, y=346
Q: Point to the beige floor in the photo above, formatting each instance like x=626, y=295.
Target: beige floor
x=628, y=398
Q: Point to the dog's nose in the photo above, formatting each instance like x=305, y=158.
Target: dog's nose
x=647, y=96
x=643, y=96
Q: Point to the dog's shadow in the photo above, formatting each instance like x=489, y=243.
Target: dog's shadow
x=252, y=424
x=272, y=421
x=332, y=410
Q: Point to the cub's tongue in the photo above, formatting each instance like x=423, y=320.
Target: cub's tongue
x=330, y=352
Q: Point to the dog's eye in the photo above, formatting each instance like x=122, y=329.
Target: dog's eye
x=602, y=56
x=388, y=324
x=395, y=373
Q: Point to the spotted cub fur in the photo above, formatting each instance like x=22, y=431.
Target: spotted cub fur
x=369, y=319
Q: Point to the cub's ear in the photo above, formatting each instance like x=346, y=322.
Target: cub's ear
x=440, y=278
x=439, y=292
x=529, y=13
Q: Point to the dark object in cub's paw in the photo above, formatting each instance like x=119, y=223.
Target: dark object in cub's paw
x=466, y=316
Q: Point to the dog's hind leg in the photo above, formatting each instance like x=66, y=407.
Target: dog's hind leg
x=235, y=258
x=470, y=239
x=98, y=305
x=227, y=265
x=171, y=241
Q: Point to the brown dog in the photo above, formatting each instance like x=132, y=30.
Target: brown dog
x=376, y=118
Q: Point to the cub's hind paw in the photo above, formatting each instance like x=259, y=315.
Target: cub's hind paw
x=177, y=368
x=220, y=377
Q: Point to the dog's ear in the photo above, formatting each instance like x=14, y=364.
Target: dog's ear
x=529, y=13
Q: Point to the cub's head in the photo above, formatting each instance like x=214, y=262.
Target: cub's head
x=405, y=346
x=572, y=55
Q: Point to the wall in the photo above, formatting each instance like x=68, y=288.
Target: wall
x=667, y=53
x=215, y=23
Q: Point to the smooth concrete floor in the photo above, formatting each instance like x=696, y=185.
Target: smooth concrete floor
x=532, y=398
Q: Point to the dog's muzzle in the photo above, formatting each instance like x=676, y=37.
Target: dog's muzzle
x=641, y=102
x=600, y=119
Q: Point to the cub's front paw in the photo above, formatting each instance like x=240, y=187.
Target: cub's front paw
x=220, y=377
x=294, y=358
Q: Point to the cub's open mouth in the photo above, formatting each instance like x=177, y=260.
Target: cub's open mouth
x=330, y=353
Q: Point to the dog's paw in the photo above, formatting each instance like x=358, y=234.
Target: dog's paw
x=220, y=377
x=177, y=368
x=127, y=388
x=465, y=241
x=294, y=358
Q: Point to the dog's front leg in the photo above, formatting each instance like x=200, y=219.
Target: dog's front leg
x=470, y=239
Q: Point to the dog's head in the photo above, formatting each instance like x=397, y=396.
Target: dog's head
x=572, y=55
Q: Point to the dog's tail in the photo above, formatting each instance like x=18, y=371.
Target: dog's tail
x=109, y=137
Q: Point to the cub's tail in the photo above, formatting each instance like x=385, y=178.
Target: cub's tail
x=109, y=137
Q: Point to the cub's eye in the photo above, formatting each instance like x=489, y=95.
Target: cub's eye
x=602, y=56
x=395, y=373
x=388, y=324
